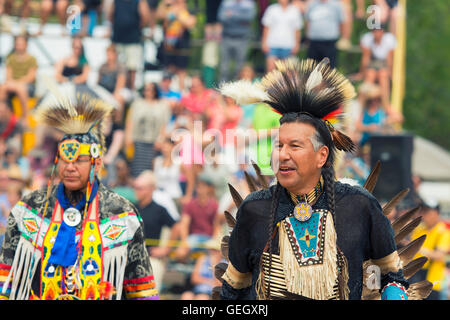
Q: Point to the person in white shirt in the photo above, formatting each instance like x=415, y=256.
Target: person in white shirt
x=282, y=23
x=377, y=59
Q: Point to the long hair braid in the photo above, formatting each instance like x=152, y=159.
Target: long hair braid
x=329, y=178
x=273, y=210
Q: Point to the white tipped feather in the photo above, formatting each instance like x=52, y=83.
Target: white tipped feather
x=244, y=92
x=314, y=79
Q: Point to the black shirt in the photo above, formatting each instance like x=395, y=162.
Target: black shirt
x=127, y=22
x=155, y=217
x=363, y=233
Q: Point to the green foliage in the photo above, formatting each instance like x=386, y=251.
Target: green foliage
x=427, y=95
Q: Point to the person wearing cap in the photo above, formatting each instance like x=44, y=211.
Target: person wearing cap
x=76, y=240
x=435, y=247
x=307, y=235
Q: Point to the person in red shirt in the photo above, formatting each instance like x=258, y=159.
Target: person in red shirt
x=199, y=221
x=199, y=99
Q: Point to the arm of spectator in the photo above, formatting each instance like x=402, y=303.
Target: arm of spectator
x=360, y=9
x=129, y=129
x=190, y=182
x=59, y=66
x=110, y=12
x=365, y=59
x=120, y=83
x=264, y=45
x=30, y=77
x=184, y=224
x=390, y=62
x=144, y=13
x=188, y=20
x=83, y=77
x=296, y=48
x=115, y=147
x=9, y=72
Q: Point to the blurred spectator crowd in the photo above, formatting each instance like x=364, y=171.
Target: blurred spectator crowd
x=175, y=143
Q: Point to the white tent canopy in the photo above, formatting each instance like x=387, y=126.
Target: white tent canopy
x=430, y=161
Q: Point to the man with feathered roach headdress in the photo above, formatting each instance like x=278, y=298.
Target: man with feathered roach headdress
x=307, y=235
x=75, y=239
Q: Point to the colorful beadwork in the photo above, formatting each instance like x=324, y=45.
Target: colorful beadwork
x=307, y=237
x=69, y=150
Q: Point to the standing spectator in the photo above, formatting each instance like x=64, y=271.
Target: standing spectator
x=155, y=218
x=377, y=60
x=123, y=183
x=213, y=26
x=47, y=6
x=325, y=20
x=145, y=124
x=281, y=37
x=435, y=247
x=113, y=77
x=177, y=23
x=236, y=17
x=127, y=18
x=21, y=70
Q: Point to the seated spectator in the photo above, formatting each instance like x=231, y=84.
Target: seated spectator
x=177, y=22
x=373, y=118
x=74, y=68
x=166, y=90
x=199, y=99
x=281, y=37
x=21, y=70
x=247, y=73
x=173, y=97
x=144, y=126
x=47, y=6
x=168, y=174
x=377, y=60
x=357, y=167
x=123, y=184
x=199, y=220
x=324, y=21
x=112, y=76
x=10, y=128
x=155, y=218
x=203, y=279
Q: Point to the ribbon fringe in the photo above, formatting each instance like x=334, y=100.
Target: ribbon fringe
x=115, y=261
x=20, y=275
